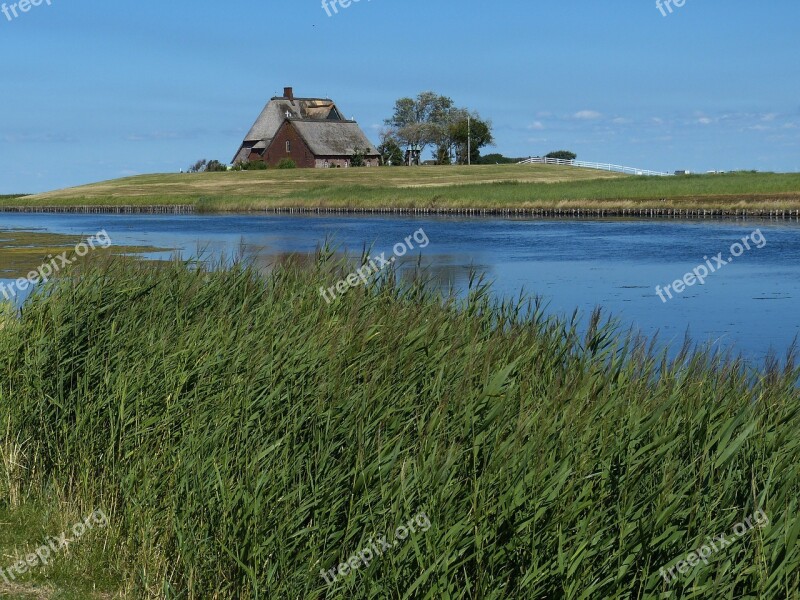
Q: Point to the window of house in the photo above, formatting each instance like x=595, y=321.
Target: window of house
x=288, y=146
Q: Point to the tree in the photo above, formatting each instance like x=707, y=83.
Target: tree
x=422, y=121
x=477, y=132
x=444, y=154
x=431, y=119
x=390, y=150
x=198, y=167
x=562, y=155
x=357, y=160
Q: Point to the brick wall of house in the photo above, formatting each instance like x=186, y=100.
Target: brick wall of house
x=333, y=162
x=299, y=151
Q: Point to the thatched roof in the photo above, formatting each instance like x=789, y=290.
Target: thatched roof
x=318, y=120
x=333, y=138
x=274, y=114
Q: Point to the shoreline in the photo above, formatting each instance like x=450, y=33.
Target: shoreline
x=528, y=190
x=590, y=213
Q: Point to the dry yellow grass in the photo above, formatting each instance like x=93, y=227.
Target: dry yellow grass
x=284, y=182
x=541, y=187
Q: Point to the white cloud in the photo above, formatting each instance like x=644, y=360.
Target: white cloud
x=587, y=115
x=705, y=121
x=536, y=126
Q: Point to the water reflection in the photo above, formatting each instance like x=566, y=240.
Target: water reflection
x=616, y=264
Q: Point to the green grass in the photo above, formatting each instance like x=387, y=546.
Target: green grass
x=79, y=573
x=242, y=435
x=22, y=251
x=503, y=186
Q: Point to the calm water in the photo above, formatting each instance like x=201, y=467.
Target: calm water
x=750, y=305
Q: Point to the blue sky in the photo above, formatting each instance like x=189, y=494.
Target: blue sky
x=95, y=90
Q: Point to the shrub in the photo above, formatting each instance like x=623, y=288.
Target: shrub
x=215, y=166
x=287, y=163
x=357, y=160
x=562, y=155
x=250, y=165
x=207, y=166
x=497, y=159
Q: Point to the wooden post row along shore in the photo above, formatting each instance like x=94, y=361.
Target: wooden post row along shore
x=503, y=212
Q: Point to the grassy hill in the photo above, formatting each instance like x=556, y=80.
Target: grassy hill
x=495, y=186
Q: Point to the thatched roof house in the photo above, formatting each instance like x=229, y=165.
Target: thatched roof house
x=310, y=131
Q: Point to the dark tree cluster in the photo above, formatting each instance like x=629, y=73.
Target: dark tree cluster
x=432, y=120
x=207, y=166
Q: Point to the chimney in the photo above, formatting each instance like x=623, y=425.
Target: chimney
x=288, y=93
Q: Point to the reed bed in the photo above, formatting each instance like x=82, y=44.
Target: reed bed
x=243, y=435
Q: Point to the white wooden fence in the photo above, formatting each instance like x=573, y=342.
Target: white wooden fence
x=592, y=165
